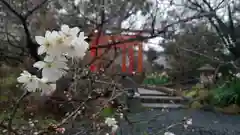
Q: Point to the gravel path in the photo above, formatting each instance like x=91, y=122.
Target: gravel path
x=204, y=123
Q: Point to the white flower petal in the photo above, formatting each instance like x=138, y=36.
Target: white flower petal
x=40, y=40
x=44, y=80
x=39, y=64
x=47, y=34
x=65, y=28
x=81, y=36
x=48, y=90
x=74, y=31
x=169, y=133
x=54, y=86
x=52, y=74
x=114, y=128
x=23, y=79
x=49, y=58
x=33, y=85
x=25, y=72
x=42, y=49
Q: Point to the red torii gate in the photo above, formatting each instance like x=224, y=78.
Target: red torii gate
x=126, y=48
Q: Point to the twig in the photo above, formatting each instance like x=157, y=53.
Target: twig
x=11, y=130
x=159, y=32
x=30, y=12
x=169, y=127
x=26, y=93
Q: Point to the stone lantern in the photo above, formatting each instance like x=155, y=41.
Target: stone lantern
x=206, y=75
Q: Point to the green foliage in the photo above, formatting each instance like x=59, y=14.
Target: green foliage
x=196, y=105
x=8, y=82
x=156, y=79
x=194, y=92
x=107, y=112
x=8, y=86
x=228, y=93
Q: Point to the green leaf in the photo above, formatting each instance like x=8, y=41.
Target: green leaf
x=191, y=93
x=145, y=133
x=107, y=112
x=3, y=98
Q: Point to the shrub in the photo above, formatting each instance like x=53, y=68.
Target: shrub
x=156, y=79
x=228, y=93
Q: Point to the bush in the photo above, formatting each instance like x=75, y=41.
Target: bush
x=228, y=93
x=156, y=79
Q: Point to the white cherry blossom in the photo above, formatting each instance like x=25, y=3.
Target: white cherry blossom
x=48, y=89
x=169, y=133
x=32, y=83
x=114, y=128
x=110, y=121
x=55, y=44
x=52, y=69
x=69, y=31
x=47, y=43
x=78, y=48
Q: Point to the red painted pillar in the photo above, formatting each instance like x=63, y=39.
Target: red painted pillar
x=131, y=58
x=124, y=68
x=140, y=57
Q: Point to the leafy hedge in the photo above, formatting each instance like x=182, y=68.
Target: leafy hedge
x=228, y=93
x=156, y=79
x=225, y=96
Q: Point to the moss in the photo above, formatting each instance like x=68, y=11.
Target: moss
x=190, y=94
x=203, y=94
x=196, y=105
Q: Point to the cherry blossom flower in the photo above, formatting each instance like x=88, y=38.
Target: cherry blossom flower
x=78, y=47
x=169, y=133
x=55, y=44
x=110, y=121
x=114, y=128
x=52, y=69
x=32, y=83
x=69, y=31
x=47, y=43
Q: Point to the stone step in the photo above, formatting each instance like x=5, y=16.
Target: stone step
x=147, y=92
x=161, y=97
x=162, y=105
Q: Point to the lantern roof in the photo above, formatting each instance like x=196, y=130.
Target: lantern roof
x=206, y=67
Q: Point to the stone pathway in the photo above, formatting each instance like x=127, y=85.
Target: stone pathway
x=156, y=99
x=151, y=122
x=204, y=123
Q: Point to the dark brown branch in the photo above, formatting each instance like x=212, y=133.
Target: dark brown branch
x=31, y=45
x=11, y=130
x=30, y=12
x=12, y=10
x=15, y=110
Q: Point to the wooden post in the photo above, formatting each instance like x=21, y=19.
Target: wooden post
x=140, y=57
x=131, y=58
x=124, y=68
